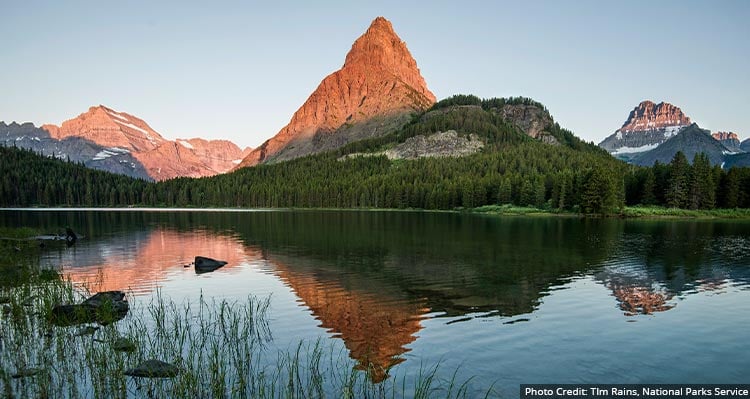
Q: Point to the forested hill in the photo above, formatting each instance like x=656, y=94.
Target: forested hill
x=526, y=159
x=30, y=179
x=497, y=121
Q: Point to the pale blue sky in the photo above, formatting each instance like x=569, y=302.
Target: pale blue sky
x=239, y=70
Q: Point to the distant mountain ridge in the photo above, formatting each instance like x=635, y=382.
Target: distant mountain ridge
x=690, y=141
x=118, y=142
x=656, y=132
x=376, y=90
x=729, y=140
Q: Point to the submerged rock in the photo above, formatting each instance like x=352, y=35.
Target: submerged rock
x=27, y=372
x=103, y=308
x=153, y=368
x=70, y=237
x=205, y=265
x=123, y=345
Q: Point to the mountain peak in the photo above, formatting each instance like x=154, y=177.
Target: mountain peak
x=107, y=127
x=725, y=136
x=380, y=48
x=648, y=125
x=730, y=140
x=379, y=80
x=380, y=24
x=651, y=116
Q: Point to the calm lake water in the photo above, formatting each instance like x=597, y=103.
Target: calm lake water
x=506, y=300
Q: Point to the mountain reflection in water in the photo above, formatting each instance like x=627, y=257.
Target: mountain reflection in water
x=140, y=262
x=371, y=279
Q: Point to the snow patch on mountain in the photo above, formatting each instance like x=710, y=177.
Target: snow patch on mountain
x=134, y=127
x=633, y=150
x=104, y=154
x=117, y=115
x=670, y=131
x=186, y=144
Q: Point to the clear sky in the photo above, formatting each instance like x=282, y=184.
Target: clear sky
x=239, y=70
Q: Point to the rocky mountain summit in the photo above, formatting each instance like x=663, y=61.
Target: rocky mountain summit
x=531, y=119
x=729, y=140
x=375, y=92
x=648, y=125
x=656, y=132
x=105, y=139
x=109, y=128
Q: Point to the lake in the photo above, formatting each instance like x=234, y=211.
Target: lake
x=505, y=300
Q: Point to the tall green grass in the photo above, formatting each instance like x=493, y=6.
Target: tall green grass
x=222, y=348
x=655, y=211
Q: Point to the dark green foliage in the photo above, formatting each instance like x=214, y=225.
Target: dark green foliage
x=679, y=174
x=494, y=106
x=517, y=174
x=680, y=185
x=528, y=172
x=734, y=189
x=28, y=179
x=702, y=188
x=602, y=192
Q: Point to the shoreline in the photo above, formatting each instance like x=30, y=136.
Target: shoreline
x=629, y=212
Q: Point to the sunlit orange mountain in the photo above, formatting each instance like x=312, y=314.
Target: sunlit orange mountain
x=375, y=91
x=162, y=159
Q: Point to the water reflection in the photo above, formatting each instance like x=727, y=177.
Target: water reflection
x=141, y=261
x=374, y=320
x=655, y=263
x=371, y=278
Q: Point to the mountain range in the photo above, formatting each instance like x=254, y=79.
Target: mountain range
x=378, y=91
x=656, y=132
x=105, y=139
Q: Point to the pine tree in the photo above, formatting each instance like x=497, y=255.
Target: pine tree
x=649, y=187
x=600, y=194
x=702, y=190
x=677, y=190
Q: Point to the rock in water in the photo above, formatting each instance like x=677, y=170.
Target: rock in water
x=26, y=372
x=205, y=265
x=103, y=308
x=102, y=298
x=123, y=345
x=153, y=368
x=70, y=237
